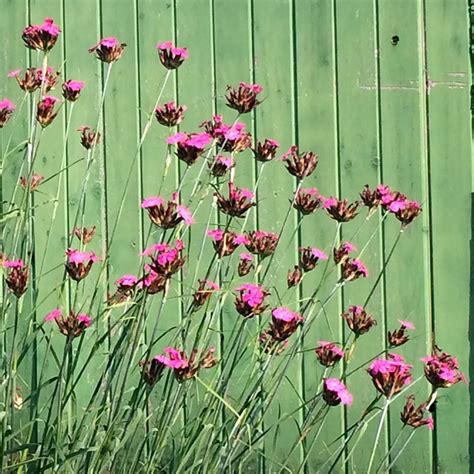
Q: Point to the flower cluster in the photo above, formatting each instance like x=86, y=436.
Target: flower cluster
x=34, y=78
x=398, y=337
x=6, y=109
x=79, y=264
x=170, y=56
x=335, y=392
x=284, y=323
x=414, y=416
x=358, y=321
x=225, y=241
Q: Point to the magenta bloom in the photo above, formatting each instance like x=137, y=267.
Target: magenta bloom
x=341, y=210
x=307, y=200
x=328, y=353
x=170, y=114
x=335, y=392
x=6, y=109
x=190, y=146
x=72, y=90
x=302, y=164
x=230, y=138
x=108, y=50
x=240, y=200
x=41, y=37
x=127, y=281
x=71, y=326
x=389, y=376
x=45, y=112
x=352, y=269
x=284, y=323
x=221, y=165
x=341, y=254
x=251, y=300
x=79, y=264
x=442, y=369
x=310, y=256
x=167, y=216
x=265, y=151
x=170, y=56
x=165, y=260
x=186, y=368
x=17, y=278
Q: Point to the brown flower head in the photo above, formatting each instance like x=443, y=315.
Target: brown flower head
x=261, y=243
x=6, y=110
x=221, y=165
x=203, y=293
x=390, y=376
x=167, y=215
x=84, y=234
x=265, y=151
x=189, y=146
x=35, y=181
x=108, y=50
x=358, y=320
x=398, y=337
x=414, y=416
x=89, y=137
x=152, y=370
x=170, y=114
x=245, y=264
x=307, y=200
x=45, y=112
x=300, y=165
x=309, y=258
x=79, y=264
x=341, y=211
x=341, y=253
x=72, y=325
x=72, y=90
x=225, y=241
x=243, y=98
x=240, y=200
x=33, y=78
x=442, y=369
x=294, y=276
x=170, y=56
x=41, y=37
x=328, y=353
x=352, y=269
x=251, y=300
x=17, y=277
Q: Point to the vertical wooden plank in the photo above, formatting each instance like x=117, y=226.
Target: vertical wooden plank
x=359, y=165
x=317, y=125
x=275, y=119
x=121, y=144
x=447, y=90
x=403, y=152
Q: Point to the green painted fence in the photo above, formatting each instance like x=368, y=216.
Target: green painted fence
x=380, y=89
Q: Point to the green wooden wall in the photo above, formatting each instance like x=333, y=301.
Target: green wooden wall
x=335, y=83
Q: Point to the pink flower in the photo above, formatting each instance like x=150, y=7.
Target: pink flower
x=406, y=324
x=178, y=137
x=151, y=202
x=328, y=353
x=72, y=90
x=251, y=300
x=246, y=256
x=170, y=114
x=335, y=392
x=108, y=50
x=330, y=202
x=244, y=98
x=216, y=234
x=41, y=37
x=310, y=256
x=53, y=315
x=284, y=314
x=79, y=263
x=442, y=369
x=185, y=214
x=127, y=281
x=13, y=263
x=170, y=56
x=389, y=376
x=45, y=113
x=6, y=109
